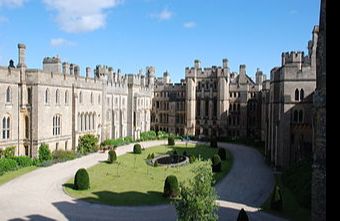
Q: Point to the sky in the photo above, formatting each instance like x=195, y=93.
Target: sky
x=167, y=34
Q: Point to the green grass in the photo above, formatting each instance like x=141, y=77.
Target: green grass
x=290, y=207
x=132, y=182
x=13, y=174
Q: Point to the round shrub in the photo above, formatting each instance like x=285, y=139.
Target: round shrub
x=81, y=180
x=216, y=163
x=171, y=140
x=44, y=153
x=171, y=188
x=222, y=153
x=242, y=216
x=276, y=201
x=23, y=161
x=213, y=142
x=152, y=155
x=137, y=149
x=112, y=156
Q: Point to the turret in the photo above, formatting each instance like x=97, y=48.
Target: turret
x=225, y=63
x=71, y=69
x=66, y=68
x=197, y=64
x=166, y=78
x=88, y=72
x=150, y=73
x=76, y=70
x=259, y=76
x=52, y=65
x=21, y=55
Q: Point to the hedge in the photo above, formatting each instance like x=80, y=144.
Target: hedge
x=7, y=165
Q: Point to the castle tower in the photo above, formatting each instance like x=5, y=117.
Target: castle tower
x=223, y=90
x=21, y=55
x=166, y=78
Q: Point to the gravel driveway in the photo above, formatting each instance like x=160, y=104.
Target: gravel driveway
x=39, y=195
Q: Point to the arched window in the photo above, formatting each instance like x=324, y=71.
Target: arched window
x=66, y=97
x=296, y=94
x=99, y=99
x=82, y=122
x=302, y=94
x=295, y=117
x=47, y=96
x=8, y=95
x=56, y=125
x=57, y=97
x=300, y=116
x=86, y=116
x=91, y=98
x=79, y=122
x=6, y=126
x=80, y=97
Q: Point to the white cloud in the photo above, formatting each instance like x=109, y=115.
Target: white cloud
x=12, y=3
x=165, y=14
x=57, y=42
x=81, y=15
x=189, y=24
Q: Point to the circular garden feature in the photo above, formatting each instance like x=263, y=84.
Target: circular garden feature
x=170, y=160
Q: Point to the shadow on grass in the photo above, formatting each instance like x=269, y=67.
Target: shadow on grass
x=68, y=185
x=131, y=198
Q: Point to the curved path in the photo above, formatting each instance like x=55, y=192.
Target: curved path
x=39, y=195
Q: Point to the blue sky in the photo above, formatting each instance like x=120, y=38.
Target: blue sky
x=168, y=34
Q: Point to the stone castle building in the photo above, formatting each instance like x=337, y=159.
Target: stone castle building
x=319, y=125
x=56, y=105
x=287, y=107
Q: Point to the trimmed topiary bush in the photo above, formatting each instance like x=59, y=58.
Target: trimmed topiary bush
x=213, y=142
x=44, y=152
x=171, y=188
x=276, y=201
x=23, y=161
x=222, y=153
x=112, y=156
x=216, y=163
x=81, y=180
x=137, y=149
x=242, y=216
x=171, y=140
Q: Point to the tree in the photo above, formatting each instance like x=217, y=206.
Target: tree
x=197, y=200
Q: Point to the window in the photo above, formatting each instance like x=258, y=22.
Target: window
x=27, y=127
x=56, y=125
x=29, y=96
x=296, y=94
x=302, y=94
x=91, y=98
x=123, y=101
x=8, y=95
x=56, y=146
x=99, y=99
x=65, y=145
x=295, y=118
x=6, y=124
x=66, y=97
x=80, y=97
x=300, y=116
x=47, y=96
x=57, y=97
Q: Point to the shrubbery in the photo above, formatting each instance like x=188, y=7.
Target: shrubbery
x=23, y=161
x=44, y=152
x=222, y=153
x=162, y=135
x=276, y=201
x=148, y=135
x=216, y=163
x=112, y=156
x=87, y=144
x=63, y=155
x=7, y=165
x=9, y=152
x=242, y=216
x=213, y=142
x=81, y=180
x=171, y=140
x=171, y=188
x=137, y=149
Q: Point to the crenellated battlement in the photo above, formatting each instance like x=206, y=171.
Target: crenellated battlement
x=51, y=60
x=293, y=57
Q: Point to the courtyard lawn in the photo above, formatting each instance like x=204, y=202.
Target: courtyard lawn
x=130, y=181
x=13, y=174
